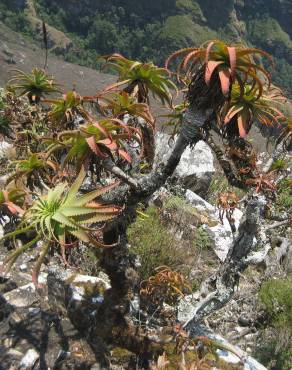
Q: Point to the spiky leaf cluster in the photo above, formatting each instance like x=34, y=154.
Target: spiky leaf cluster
x=34, y=85
x=61, y=217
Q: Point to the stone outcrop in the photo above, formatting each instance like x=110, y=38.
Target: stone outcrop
x=196, y=165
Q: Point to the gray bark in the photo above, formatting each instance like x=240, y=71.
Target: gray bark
x=220, y=287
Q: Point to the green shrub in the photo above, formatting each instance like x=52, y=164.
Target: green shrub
x=150, y=239
x=260, y=28
x=276, y=346
x=276, y=296
x=4, y=121
x=272, y=355
x=284, y=199
x=202, y=239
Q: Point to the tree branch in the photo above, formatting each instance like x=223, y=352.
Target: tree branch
x=114, y=323
x=226, y=164
x=109, y=165
x=236, y=261
x=278, y=152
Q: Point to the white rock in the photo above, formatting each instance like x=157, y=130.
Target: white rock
x=22, y=296
x=13, y=352
x=194, y=161
x=63, y=282
x=23, y=267
x=186, y=308
x=7, y=150
x=28, y=360
x=33, y=311
x=78, y=278
x=221, y=233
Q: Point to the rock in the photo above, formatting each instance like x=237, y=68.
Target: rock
x=14, y=353
x=79, y=295
x=22, y=294
x=186, y=307
x=96, y=367
x=199, y=183
x=21, y=297
x=233, y=354
x=280, y=256
x=28, y=360
x=7, y=150
x=3, y=180
x=221, y=232
x=23, y=267
x=288, y=260
x=196, y=165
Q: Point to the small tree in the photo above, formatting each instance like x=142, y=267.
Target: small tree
x=226, y=92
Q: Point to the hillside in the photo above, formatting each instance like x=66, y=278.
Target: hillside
x=150, y=30
x=17, y=52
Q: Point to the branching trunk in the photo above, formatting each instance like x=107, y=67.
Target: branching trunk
x=114, y=324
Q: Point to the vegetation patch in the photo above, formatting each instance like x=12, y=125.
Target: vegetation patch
x=276, y=297
x=153, y=243
x=284, y=199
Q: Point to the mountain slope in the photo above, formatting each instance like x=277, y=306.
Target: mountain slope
x=18, y=53
x=150, y=30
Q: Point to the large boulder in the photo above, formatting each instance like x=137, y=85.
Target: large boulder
x=196, y=165
x=193, y=211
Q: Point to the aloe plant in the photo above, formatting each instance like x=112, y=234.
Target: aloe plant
x=123, y=103
x=61, y=217
x=64, y=109
x=248, y=107
x=34, y=169
x=230, y=62
x=34, y=85
x=12, y=200
x=141, y=78
x=102, y=138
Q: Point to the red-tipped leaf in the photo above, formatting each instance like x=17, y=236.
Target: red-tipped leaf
x=210, y=68
x=232, y=60
x=224, y=76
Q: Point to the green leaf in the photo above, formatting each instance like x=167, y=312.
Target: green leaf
x=75, y=187
x=59, y=217
x=86, y=198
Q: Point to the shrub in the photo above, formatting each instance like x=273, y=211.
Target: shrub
x=218, y=185
x=202, y=239
x=276, y=347
x=276, y=296
x=150, y=239
x=284, y=199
